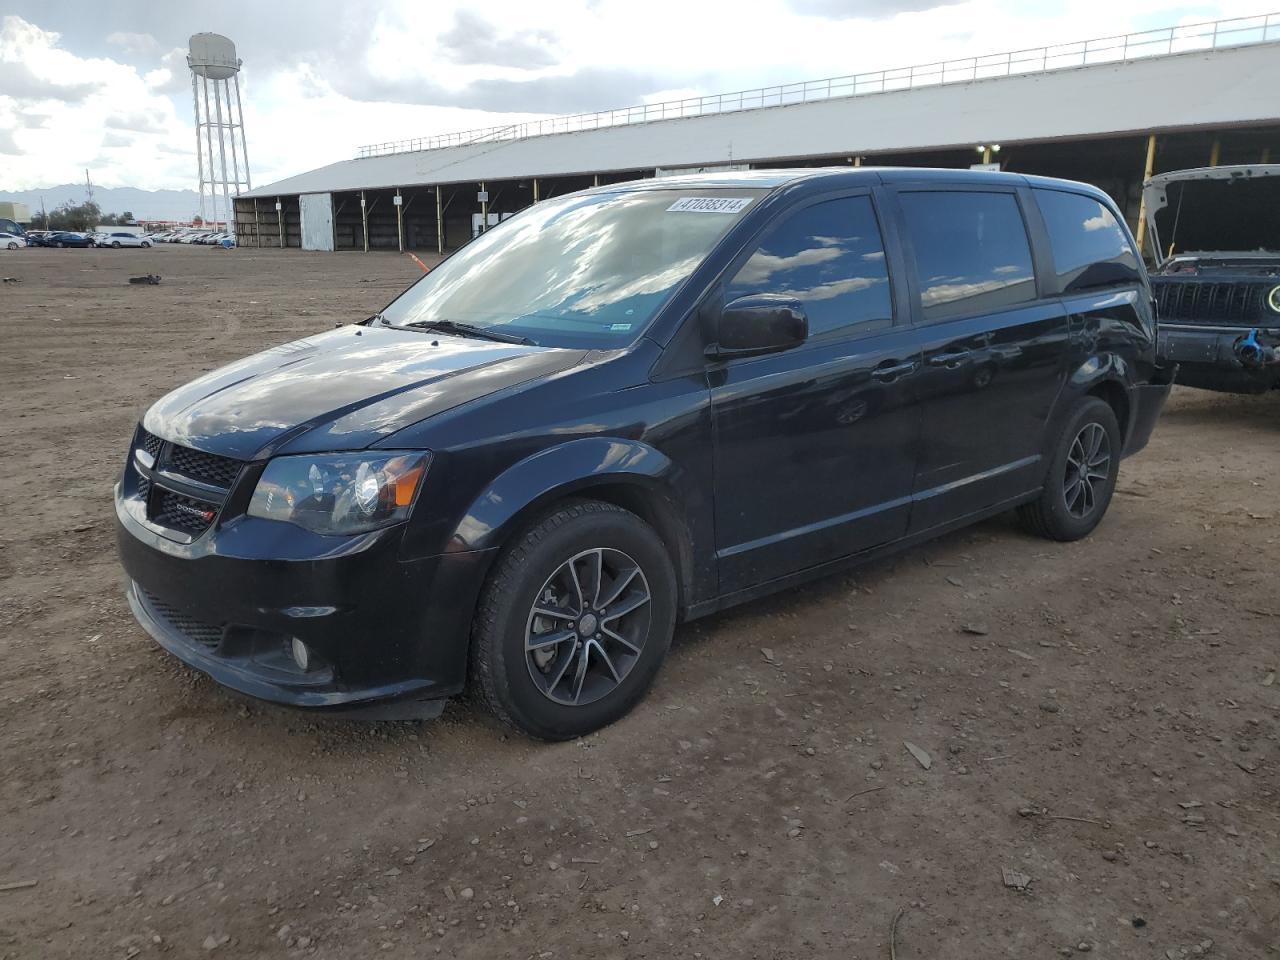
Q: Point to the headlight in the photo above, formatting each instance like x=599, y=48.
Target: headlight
x=1273, y=299
x=346, y=493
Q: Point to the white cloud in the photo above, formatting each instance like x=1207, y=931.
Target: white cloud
x=92, y=97
x=345, y=74
x=133, y=42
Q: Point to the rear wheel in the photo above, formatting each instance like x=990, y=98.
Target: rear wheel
x=1082, y=475
x=574, y=621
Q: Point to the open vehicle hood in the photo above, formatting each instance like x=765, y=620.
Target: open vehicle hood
x=1216, y=213
x=342, y=390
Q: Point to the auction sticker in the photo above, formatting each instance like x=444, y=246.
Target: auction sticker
x=709, y=205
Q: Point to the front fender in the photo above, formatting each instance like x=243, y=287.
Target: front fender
x=555, y=473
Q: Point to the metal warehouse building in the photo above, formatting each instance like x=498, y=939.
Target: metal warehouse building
x=1109, y=112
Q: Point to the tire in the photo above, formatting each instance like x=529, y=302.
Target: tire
x=115, y=245
x=1069, y=508
x=61, y=244
x=146, y=244
x=534, y=688
x=12, y=245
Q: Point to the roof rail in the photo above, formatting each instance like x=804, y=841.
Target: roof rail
x=1165, y=41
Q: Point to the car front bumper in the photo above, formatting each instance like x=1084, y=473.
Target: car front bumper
x=385, y=636
x=1206, y=358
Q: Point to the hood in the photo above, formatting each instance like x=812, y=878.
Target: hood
x=342, y=390
x=1215, y=212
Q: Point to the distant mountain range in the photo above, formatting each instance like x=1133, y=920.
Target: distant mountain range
x=143, y=204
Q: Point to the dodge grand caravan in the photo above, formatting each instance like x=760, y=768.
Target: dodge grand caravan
x=629, y=406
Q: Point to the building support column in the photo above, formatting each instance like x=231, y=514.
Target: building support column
x=1215, y=152
x=400, y=219
x=484, y=208
x=257, y=224
x=364, y=221
x=595, y=180
x=439, y=222
x=536, y=198
x=1147, y=170
x=280, y=221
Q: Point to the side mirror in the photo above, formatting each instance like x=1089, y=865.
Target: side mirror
x=760, y=323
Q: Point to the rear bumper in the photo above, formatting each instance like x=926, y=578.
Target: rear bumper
x=385, y=636
x=1206, y=359
x=1147, y=400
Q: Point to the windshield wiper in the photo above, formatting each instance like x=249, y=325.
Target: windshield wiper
x=468, y=330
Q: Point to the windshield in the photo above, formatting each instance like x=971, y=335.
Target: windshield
x=581, y=271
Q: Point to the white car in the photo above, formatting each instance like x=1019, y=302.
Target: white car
x=11, y=241
x=122, y=240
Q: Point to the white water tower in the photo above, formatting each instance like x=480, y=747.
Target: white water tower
x=215, y=74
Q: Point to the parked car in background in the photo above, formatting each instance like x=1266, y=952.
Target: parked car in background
x=11, y=241
x=66, y=238
x=1216, y=231
x=632, y=405
x=118, y=240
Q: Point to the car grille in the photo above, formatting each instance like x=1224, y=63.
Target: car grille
x=177, y=512
x=1242, y=303
x=177, y=509
x=205, y=467
x=207, y=635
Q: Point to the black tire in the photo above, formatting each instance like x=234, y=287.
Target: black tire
x=503, y=668
x=61, y=244
x=1069, y=507
x=115, y=244
x=12, y=245
x=145, y=244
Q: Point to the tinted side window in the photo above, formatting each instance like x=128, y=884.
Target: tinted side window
x=1090, y=249
x=829, y=257
x=971, y=249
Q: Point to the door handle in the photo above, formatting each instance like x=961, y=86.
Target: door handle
x=949, y=360
x=890, y=371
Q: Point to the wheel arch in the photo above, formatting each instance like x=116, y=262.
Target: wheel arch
x=626, y=473
x=1109, y=378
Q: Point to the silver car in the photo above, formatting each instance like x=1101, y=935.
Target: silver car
x=123, y=240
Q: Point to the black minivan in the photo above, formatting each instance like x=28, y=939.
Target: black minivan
x=630, y=406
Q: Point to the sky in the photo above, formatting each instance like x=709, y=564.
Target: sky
x=104, y=84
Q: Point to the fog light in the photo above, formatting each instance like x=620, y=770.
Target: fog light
x=301, y=655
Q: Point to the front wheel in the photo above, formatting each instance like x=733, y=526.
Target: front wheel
x=116, y=244
x=1082, y=475
x=61, y=244
x=12, y=245
x=574, y=621
x=145, y=244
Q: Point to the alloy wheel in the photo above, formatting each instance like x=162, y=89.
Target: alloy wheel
x=1088, y=469
x=587, y=626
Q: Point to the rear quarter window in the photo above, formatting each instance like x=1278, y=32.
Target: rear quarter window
x=1090, y=248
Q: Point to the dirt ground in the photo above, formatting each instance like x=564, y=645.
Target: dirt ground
x=1101, y=717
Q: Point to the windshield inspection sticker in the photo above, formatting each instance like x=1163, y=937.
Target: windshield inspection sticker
x=709, y=205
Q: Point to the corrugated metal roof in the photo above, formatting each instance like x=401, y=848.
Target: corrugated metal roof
x=1211, y=89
